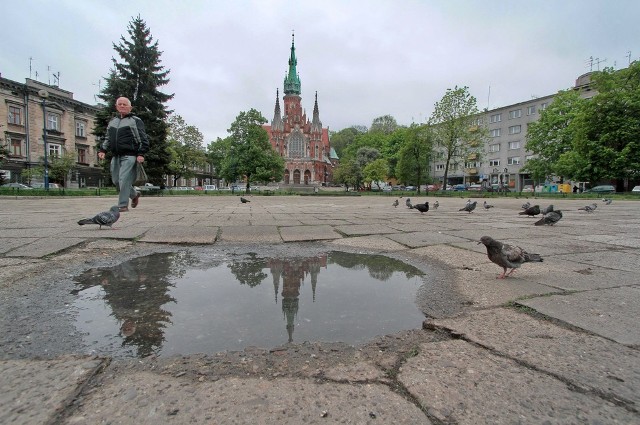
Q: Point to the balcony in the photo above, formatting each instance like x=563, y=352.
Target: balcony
x=472, y=171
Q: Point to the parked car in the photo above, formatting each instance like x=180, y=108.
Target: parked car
x=475, y=187
x=410, y=188
x=210, y=187
x=459, y=187
x=605, y=188
x=528, y=188
x=636, y=190
x=41, y=185
x=17, y=186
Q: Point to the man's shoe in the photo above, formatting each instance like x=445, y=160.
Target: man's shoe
x=123, y=209
x=134, y=201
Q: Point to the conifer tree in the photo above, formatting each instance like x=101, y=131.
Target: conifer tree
x=137, y=75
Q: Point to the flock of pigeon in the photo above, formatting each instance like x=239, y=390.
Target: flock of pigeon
x=502, y=254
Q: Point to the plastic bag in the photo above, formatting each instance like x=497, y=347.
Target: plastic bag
x=141, y=175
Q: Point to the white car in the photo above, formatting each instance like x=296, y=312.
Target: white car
x=636, y=190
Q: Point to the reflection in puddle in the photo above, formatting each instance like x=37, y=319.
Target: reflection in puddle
x=167, y=304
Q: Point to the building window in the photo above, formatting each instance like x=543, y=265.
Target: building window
x=543, y=107
x=296, y=145
x=472, y=164
x=514, y=160
x=515, y=129
x=15, y=147
x=55, y=150
x=516, y=113
x=495, y=132
x=494, y=148
x=439, y=167
x=82, y=156
x=53, y=122
x=478, y=121
x=15, y=115
x=80, y=129
x=531, y=110
x=528, y=157
x=495, y=118
x=514, y=145
x=494, y=163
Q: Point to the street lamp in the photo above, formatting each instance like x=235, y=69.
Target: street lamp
x=44, y=95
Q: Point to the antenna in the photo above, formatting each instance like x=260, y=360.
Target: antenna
x=30, y=59
x=56, y=79
x=598, y=61
x=49, y=75
x=489, y=97
x=629, y=56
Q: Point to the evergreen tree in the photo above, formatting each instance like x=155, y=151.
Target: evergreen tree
x=137, y=75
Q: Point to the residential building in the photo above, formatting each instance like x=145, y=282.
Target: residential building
x=25, y=112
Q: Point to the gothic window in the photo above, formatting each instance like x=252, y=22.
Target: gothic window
x=296, y=145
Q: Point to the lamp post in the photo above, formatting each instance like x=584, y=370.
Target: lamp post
x=44, y=95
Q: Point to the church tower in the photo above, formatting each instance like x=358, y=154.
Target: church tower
x=303, y=143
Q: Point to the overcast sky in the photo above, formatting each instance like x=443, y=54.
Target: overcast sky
x=365, y=58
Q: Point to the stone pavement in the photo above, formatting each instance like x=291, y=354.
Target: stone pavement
x=556, y=343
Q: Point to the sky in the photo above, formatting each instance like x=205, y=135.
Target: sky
x=364, y=58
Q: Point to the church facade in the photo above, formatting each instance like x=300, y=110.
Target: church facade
x=302, y=143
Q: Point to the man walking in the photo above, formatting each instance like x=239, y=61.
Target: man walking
x=128, y=142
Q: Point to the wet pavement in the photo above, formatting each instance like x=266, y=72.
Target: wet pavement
x=557, y=342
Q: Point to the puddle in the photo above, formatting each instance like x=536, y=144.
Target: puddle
x=176, y=303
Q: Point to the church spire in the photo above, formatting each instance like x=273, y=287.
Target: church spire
x=292, y=79
x=316, y=125
x=277, y=123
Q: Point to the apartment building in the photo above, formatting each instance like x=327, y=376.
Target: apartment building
x=30, y=108
x=505, y=154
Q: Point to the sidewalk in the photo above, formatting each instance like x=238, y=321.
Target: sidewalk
x=556, y=343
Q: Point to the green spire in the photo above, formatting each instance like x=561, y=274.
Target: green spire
x=292, y=79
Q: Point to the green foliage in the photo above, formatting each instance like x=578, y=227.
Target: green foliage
x=414, y=156
x=138, y=75
x=455, y=132
x=385, y=124
x=59, y=167
x=375, y=171
x=247, y=151
x=4, y=153
x=185, y=147
x=348, y=173
x=366, y=155
x=343, y=138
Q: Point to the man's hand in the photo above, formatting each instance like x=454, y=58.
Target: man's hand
x=101, y=155
x=140, y=159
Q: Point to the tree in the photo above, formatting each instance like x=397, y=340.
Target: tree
x=250, y=154
x=186, y=149
x=137, y=76
x=455, y=130
x=4, y=153
x=343, y=138
x=376, y=171
x=365, y=155
x=385, y=124
x=553, y=136
x=60, y=166
x=414, y=155
x=348, y=173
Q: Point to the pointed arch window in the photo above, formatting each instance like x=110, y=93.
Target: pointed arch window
x=296, y=145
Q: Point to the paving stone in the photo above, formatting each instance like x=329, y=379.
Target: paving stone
x=181, y=234
x=308, y=233
x=253, y=234
x=44, y=246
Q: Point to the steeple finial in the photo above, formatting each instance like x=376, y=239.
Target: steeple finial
x=292, y=79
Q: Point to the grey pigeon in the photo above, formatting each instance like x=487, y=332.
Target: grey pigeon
x=507, y=256
x=547, y=210
x=436, y=205
x=105, y=218
x=408, y=203
x=531, y=211
x=468, y=201
x=607, y=201
x=487, y=206
x=395, y=203
x=589, y=208
x=526, y=205
x=423, y=208
x=469, y=207
x=244, y=200
x=550, y=218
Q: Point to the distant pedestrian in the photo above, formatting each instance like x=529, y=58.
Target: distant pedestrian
x=575, y=189
x=127, y=140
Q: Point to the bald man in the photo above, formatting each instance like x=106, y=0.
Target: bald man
x=127, y=140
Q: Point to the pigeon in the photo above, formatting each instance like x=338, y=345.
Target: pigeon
x=423, y=208
x=244, y=200
x=487, y=206
x=526, y=205
x=547, y=210
x=470, y=207
x=531, y=211
x=395, y=203
x=408, y=203
x=507, y=256
x=550, y=218
x=105, y=218
x=468, y=201
x=607, y=201
x=436, y=205
x=589, y=208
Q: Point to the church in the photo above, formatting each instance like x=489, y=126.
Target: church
x=302, y=143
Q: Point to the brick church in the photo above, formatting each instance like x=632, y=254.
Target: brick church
x=303, y=143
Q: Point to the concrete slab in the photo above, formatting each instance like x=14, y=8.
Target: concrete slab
x=380, y=243
x=34, y=392
x=587, y=361
x=252, y=234
x=181, y=235
x=365, y=229
x=612, y=312
x=460, y=383
x=308, y=233
x=419, y=239
x=145, y=398
x=44, y=246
